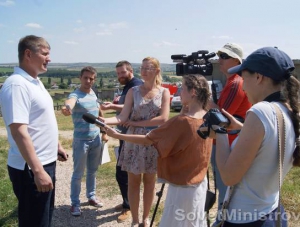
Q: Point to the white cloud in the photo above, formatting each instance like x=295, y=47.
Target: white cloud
x=108, y=28
x=7, y=3
x=165, y=43
x=104, y=33
x=113, y=26
x=81, y=29
x=71, y=42
x=79, y=21
x=10, y=41
x=118, y=25
x=33, y=25
x=222, y=37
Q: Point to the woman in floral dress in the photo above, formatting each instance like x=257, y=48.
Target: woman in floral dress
x=146, y=107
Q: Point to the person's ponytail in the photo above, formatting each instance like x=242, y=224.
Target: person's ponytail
x=291, y=92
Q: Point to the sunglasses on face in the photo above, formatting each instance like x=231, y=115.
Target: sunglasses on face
x=224, y=56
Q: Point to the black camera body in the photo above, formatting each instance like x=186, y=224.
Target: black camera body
x=212, y=117
x=196, y=63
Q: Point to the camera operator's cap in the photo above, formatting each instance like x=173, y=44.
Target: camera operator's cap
x=267, y=61
x=233, y=50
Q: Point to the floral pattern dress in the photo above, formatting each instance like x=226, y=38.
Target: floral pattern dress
x=137, y=158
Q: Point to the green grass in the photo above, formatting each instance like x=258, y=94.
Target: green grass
x=60, y=91
x=291, y=191
x=6, y=69
x=8, y=201
x=64, y=122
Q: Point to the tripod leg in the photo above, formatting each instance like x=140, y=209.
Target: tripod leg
x=159, y=194
x=207, y=219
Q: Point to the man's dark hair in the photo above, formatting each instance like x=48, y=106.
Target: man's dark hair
x=126, y=63
x=88, y=69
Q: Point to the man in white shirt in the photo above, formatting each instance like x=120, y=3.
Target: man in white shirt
x=28, y=114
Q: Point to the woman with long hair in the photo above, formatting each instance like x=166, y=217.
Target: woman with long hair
x=146, y=107
x=251, y=165
x=183, y=156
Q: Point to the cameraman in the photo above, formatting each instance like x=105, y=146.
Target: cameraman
x=232, y=99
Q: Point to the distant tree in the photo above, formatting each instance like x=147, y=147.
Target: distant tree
x=61, y=80
x=47, y=86
x=137, y=75
x=69, y=81
x=168, y=79
x=101, y=83
x=63, y=86
x=49, y=80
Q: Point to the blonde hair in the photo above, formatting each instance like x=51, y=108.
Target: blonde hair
x=155, y=62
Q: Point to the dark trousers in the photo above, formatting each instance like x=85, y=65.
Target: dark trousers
x=122, y=179
x=35, y=208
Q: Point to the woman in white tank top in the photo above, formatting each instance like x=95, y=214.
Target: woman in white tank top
x=251, y=164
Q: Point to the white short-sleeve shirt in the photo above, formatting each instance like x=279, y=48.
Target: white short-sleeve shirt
x=25, y=100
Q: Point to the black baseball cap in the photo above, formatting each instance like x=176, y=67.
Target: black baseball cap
x=268, y=61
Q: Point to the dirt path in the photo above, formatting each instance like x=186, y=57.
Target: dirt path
x=91, y=216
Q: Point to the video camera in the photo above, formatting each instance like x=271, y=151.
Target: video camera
x=215, y=117
x=212, y=117
x=196, y=63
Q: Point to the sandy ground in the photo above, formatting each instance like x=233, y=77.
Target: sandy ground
x=91, y=216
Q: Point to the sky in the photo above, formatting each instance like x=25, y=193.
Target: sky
x=107, y=31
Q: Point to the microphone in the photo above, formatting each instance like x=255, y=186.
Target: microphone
x=90, y=118
x=177, y=56
x=210, y=55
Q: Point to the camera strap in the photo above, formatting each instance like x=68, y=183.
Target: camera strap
x=221, y=130
x=218, y=130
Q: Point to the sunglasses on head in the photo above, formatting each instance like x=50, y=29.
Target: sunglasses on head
x=224, y=56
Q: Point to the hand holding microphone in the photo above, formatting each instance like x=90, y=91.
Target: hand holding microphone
x=90, y=118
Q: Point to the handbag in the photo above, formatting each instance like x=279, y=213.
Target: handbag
x=210, y=195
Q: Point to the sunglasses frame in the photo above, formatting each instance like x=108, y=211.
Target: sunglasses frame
x=224, y=56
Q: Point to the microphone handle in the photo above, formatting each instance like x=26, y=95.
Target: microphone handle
x=101, y=124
